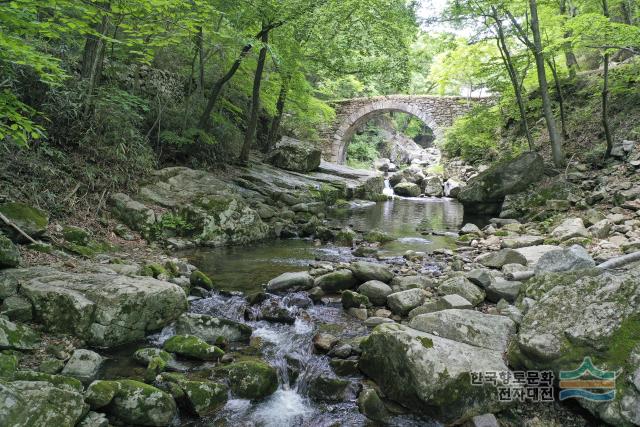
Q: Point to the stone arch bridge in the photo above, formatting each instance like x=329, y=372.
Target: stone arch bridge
x=437, y=112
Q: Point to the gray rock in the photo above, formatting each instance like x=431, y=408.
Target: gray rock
x=452, y=188
x=295, y=155
x=17, y=309
x=211, y=328
x=9, y=254
x=601, y=229
x=486, y=420
x=407, y=189
x=376, y=291
x=468, y=326
x=103, y=309
x=17, y=337
x=430, y=374
x=297, y=281
x=84, y=365
x=471, y=229
x=403, y=302
x=40, y=403
x=481, y=277
x=485, y=192
x=533, y=253
x=371, y=406
x=433, y=186
x=584, y=317
x=500, y=258
x=29, y=219
x=503, y=289
x=521, y=242
x=513, y=268
x=461, y=286
x=365, y=271
x=573, y=258
x=94, y=419
x=335, y=281
x=402, y=283
x=570, y=228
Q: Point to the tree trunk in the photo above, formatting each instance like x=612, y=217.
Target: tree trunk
x=560, y=94
x=205, y=119
x=200, y=47
x=605, y=93
x=255, y=101
x=554, y=136
x=513, y=76
x=277, y=119
x=569, y=55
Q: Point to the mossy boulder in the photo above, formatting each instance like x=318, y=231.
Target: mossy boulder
x=132, y=402
x=59, y=381
x=9, y=253
x=252, y=379
x=212, y=329
x=353, y=299
x=18, y=337
x=76, y=235
x=200, y=279
x=51, y=366
x=295, y=155
x=378, y=236
x=592, y=316
x=8, y=365
x=192, y=347
x=154, y=270
x=40, y=403
x=336, y=281
x=202, y=398
x=156, y=361
x=485, y=192
x=31, y=220
x=430, y=374
x=333, y=390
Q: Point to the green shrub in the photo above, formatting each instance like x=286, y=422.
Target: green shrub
x=474, y=137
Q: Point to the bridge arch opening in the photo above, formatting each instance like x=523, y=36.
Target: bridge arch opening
x=387, y=134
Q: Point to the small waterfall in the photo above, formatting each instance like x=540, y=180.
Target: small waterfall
x=388, y=191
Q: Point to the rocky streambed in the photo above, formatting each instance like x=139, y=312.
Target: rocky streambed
x=375, y=312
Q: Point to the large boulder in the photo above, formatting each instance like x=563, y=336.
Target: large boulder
x=295, y=155
x=9, y=254
x=192, y=347
x=335, y=281
x=211, y=328
x=132, y=402
x=31, y=220
x=403, y=302
x=431, y=374
x=83, y=365
x=501, y=258
x=433, y=186
x=468, y=326
x=293, y=281
x=407, y=189
x=365, y=271
x=593, y=316
x=573, y=258
x=570, y=227
x=460, y=285
x=252, y=379
x=40, y=403
x=376, y=291
x=485, y=192
x=104, y=309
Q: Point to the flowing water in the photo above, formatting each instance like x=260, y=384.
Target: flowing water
x=238, y=271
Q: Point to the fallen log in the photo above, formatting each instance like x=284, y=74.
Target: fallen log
x=15, y=227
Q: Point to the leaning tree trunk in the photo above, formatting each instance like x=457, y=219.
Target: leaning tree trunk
x=274, y=130
x=513, y=76
x=255, y=100
x=605, y=93
x=554, y=136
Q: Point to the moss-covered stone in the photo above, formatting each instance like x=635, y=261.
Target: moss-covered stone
x=252, y=379
x=154, y=270
x=51, y=366
x=76, y=235
x=9, y=254
x=15, y=336
x=59, y=381
x=378, y=236
x=198, y=278
x=101, y=393
x=8, y=365
x=353, y=299
x=199, y=397
x=327, y=389
x=192, y=347
x=31, y=220
x=346, y=236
